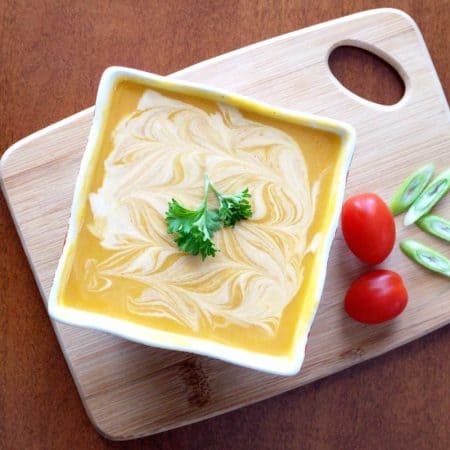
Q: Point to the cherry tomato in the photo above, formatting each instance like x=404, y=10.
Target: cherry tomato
x=368, y=227
x=376, y=296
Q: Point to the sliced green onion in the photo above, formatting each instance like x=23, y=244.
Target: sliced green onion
x=429, y=197
x=426, y=257
x=435, y=225
x=411, y=188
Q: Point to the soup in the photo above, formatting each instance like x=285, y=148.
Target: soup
x=158, y=145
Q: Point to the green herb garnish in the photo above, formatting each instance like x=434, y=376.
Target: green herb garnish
x=233, y=207
x=194, y=229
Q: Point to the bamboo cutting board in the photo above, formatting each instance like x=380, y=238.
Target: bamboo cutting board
x=130, y=390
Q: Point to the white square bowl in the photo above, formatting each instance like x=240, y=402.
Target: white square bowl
x=284, y=365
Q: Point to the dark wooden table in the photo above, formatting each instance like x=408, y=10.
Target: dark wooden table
x=52, y=54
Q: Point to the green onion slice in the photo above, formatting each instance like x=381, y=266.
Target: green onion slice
x=435, y=225
x=426, y=257
x=411, y=188
x=429, y=197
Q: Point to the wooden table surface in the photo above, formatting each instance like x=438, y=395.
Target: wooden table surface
x=52, y=53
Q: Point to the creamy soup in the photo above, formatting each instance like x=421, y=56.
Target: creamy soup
x=158, y=145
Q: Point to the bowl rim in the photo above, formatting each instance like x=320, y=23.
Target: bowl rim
x=288, y=364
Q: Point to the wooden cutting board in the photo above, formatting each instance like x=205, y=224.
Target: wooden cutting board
x=130, y=390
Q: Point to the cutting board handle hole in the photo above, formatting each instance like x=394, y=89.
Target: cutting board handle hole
x=366, y=75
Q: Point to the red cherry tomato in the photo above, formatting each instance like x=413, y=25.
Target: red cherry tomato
x=376, y=296
x=368, y=227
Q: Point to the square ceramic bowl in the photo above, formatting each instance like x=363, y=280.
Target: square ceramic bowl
x=285, y=363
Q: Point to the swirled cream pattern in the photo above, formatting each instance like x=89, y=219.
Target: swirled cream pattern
x=162, y=151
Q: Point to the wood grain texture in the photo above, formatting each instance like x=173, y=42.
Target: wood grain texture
x=309, y=423
x=113, y=375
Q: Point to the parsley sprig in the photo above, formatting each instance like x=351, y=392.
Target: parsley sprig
x=234, y=207
x=194, y=229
